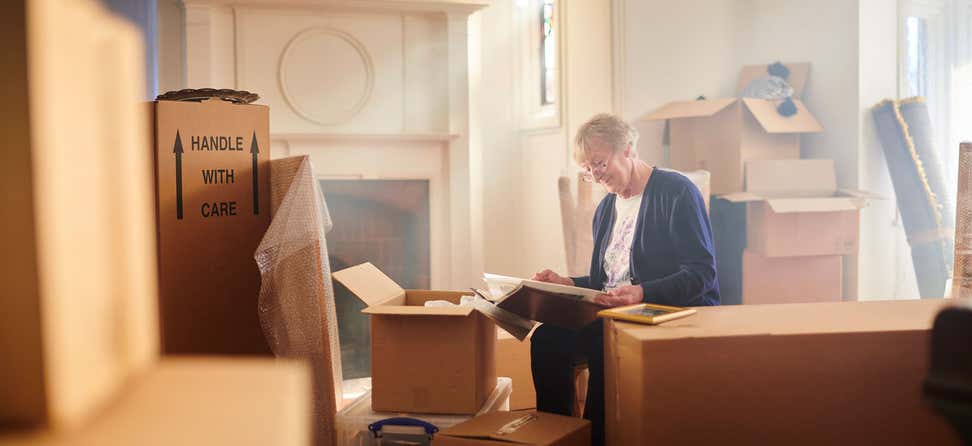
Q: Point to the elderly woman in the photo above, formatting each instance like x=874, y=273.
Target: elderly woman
x=652, y=243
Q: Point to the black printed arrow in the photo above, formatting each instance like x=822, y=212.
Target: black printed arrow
x=254, y=151
x=177, y=150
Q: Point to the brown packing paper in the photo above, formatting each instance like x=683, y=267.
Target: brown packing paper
x=213, y=172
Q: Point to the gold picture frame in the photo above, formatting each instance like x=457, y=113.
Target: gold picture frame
x=650, y=314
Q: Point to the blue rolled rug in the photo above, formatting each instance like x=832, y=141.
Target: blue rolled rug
x=918, y=179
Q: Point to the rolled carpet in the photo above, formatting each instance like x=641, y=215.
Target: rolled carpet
x=921, y=207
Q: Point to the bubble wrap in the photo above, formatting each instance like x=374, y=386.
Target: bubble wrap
x=962, y=273
x=296, y=304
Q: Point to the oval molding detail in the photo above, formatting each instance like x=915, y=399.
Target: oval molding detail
x=355, y=96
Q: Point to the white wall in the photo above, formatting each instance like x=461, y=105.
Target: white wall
x=886, y=268
x=676, y=51
x=823, y=32
x=672, y=51
x=523, y=228
x=501, y=177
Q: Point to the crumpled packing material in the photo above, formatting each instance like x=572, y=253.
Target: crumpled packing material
x=296, y=304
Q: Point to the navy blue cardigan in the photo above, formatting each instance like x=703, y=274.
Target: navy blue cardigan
x=672, y=255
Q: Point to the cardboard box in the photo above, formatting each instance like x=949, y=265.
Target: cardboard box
x=822, y=373
x=795, y=209
x=778, y=280
x=513, y=360
x=200, y=401
x=213, y=169
x=720, y=135
x=78, y=315
x=423, y=360
x=528, y=429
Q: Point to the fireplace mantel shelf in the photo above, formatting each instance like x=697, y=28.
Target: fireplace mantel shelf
x=463, y=6
x=407, y=137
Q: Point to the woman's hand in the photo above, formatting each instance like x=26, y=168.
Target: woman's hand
x=552, y=277
x=620, y=296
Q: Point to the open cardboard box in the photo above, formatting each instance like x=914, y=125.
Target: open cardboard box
x=795, y=209
x=720, y=135
x=517, y=428
x=423, y=360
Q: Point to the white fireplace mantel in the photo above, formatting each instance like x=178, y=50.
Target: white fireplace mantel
x=368, y=88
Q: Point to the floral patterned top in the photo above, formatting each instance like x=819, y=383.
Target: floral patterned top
x=617, y=257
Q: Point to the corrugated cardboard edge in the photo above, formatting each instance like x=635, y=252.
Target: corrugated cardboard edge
x=689, y=109
x=765, y=112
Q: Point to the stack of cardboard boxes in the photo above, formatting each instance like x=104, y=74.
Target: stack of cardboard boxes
x=789, y=229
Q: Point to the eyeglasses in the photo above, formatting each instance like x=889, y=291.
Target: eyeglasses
x=592, y=172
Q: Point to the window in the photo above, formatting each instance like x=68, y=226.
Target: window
x=936, y=63
x=548, y=54
x=538, y=31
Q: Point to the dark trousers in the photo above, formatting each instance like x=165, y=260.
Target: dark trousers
x=554, y=352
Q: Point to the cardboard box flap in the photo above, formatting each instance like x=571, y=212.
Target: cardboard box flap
x=517, y=427
x=368, y=283
x=799, y=72
x=773, y=122
x=860, y=194
x=689, y=109
x=791, y=178
x=742, y=197
x=418, y=310
x=828, y=204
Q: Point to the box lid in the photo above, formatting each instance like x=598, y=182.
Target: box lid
x=772, y=121
x=369, y=284
x=375, y=289
x=799, y=72
x=798, y=186
x=536, y=428
x=689, y=109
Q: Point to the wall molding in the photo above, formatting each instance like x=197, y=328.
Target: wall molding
x=355, y=44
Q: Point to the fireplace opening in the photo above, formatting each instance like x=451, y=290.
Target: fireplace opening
x=385, y=222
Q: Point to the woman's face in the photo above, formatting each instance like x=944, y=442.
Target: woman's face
x=610, y=168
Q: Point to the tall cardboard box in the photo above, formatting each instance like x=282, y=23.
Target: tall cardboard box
x=423, y=359
x=513, y=360
x=77, y=275
x=213, y=189
x=821, y=373
x=795, y=209
x=720, y=135
x=777, y=280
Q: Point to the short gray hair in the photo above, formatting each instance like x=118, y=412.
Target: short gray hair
x=607, y=128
